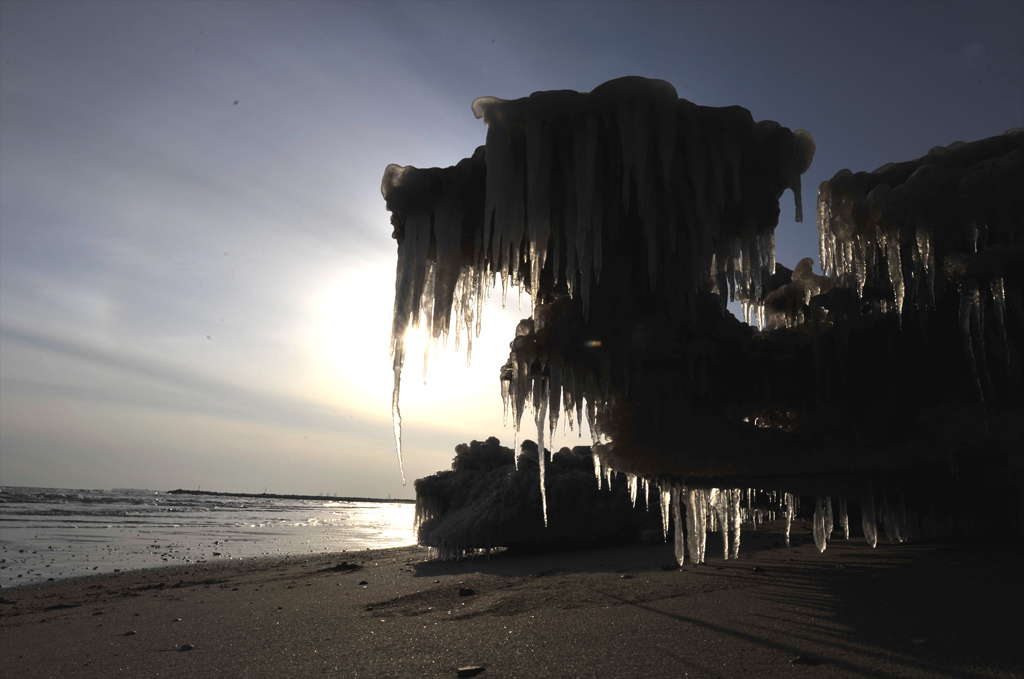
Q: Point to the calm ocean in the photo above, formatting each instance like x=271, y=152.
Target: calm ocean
x=53, y=533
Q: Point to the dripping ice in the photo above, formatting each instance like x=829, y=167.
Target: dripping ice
x=524, y=140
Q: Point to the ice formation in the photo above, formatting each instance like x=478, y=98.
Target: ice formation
x=490, y=499
x=485, y=502
x=631, y=216
x=822, y=529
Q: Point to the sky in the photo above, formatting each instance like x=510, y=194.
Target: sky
x=196, y=264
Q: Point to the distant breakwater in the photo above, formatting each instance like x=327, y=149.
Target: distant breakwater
x=273, y=496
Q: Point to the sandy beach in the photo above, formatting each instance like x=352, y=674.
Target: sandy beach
x=933, y=609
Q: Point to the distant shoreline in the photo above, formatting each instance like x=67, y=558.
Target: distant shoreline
x=274, y=496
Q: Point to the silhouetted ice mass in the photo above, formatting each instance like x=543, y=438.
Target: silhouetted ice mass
x=485, y=501
x=631, y=217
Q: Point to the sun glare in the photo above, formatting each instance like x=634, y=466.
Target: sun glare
x=349, y=331
x=348, y=342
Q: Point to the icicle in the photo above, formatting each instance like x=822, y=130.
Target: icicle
x=895, y=521
x=665, y=499
x=892, y=258
x=631, y=484
x=968, y=303
x=541, y=414
x=828, y=518
x=677, y=519
x=844, y=519
x=696, y=524
x=567, y=407
x=409, y=281
x=826, y=241
x=426, y=360
x=554, y=393
x=538, y=193
x=597, y=468
x=720, y=504
x=927, y=254
x=860, y=263
x=998, y=290
x=820, y=527
x=789, y=515
x=702, y=521
x=483, y=294
x=504, y=401
x=868, y=521
x=396, y=412
x=736, y=521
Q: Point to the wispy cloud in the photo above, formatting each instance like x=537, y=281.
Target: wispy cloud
x=145, y=381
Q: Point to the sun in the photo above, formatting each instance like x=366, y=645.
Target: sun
x=348, y=341
x=347, y=332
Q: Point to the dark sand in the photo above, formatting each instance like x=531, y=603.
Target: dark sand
x=932, y=609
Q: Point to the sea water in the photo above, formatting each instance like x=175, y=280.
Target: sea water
x=53, y=534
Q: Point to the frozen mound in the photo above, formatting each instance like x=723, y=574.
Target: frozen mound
x=489, y=499
x=631, y=217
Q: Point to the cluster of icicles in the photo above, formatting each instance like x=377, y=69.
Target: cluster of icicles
x=561, y=174
x=430, y=507
x=565, y=168
x=724, y=511
x=692, y=513
x=880, y=228
x=559, y=387
x=954, y=212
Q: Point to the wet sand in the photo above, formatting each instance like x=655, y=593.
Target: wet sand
x=931, y=609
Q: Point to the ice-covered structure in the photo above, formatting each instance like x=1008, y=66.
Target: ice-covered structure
x=631, y=217
x=490, y=498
